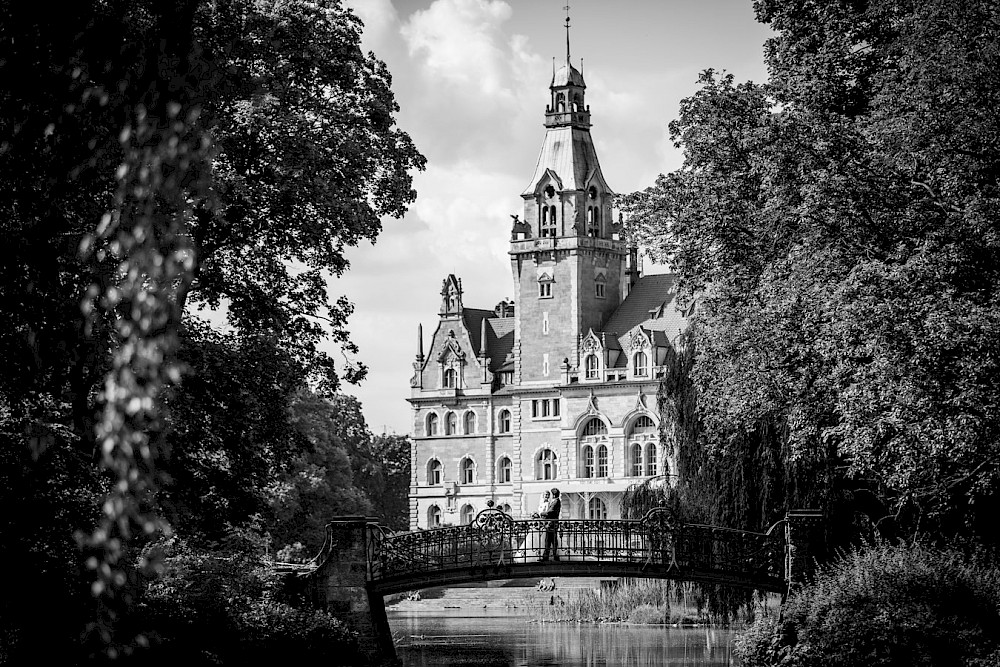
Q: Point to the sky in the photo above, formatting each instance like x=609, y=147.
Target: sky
x=471, y=78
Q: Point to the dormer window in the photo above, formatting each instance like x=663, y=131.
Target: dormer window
x=450, y=379
x=591, y=366
x=640, y=364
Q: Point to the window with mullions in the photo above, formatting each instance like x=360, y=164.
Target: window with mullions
x=450, y=424
x=588, y=461
x=432, y=425
x=595, y=427
x=602, y=461
x=470, y=423
x=637, y=460
x=434, y=517
x=450, y=380
x=640, y=364
x=467, y=470
x=504, y=471
x=545, y=465
x=433, y=472
x=652, y=461
x=596, y=509
x=545, y=290
x=592, y=367
x=504, y=421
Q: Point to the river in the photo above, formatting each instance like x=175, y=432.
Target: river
x=494, y=638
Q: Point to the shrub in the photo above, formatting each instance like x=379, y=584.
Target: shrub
x=885, y=605
x=648, y=614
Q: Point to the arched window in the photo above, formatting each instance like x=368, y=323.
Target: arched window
x=602, y=461
x=503, y=470
x=595, y=427
x=546, y=465
x=450, y=378
x=596, y=509
x=432, y=424
x=636, y=460
x=467, y=471
x=468, y=514
x=587, y=456
x=504, y=421
x=470, y=423
x=592, y=367
x=433, y=516
x=640, y=364
x=433, y=472
x=560, y=102
x=450, y=424
x=643, y=424
x=652, y=461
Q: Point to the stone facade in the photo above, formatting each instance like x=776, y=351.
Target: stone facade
x=558, y=388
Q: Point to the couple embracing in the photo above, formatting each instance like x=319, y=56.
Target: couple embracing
x=549, y=509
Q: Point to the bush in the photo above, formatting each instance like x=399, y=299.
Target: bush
x=885, y=605
x=223, y=606
x=648, y=614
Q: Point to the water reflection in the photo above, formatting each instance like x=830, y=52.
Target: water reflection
x=430, y=640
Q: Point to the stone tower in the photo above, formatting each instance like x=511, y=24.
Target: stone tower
x=567, y=261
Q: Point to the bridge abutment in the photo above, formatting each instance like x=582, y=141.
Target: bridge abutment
x=804, y=543
x=339, y=586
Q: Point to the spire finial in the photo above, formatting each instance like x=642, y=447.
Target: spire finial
x=567, y=32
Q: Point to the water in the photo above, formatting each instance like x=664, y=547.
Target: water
x=496, y=639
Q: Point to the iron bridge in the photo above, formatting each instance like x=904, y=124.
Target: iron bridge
x=496, y=546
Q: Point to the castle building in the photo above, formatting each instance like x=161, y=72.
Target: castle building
x=558, y=388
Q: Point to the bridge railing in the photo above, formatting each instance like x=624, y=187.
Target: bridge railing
x=655, y=545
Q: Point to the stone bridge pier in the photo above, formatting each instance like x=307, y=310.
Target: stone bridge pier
x=339, y=585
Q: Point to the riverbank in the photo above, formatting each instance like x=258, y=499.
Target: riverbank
x=577, y=599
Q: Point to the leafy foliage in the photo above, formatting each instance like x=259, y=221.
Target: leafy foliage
x=154, y=158
x=837, y=226
x=885, y=605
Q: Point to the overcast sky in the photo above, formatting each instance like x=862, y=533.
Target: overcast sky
x=471, y=78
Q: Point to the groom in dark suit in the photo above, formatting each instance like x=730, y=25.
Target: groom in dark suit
x=551, y=539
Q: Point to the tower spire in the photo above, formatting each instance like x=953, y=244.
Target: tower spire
x=567, y=32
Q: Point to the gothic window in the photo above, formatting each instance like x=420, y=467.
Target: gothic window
x=592, y=367
x=433, y=516
x=503, y=471
x=433, y=472
x=596, y=509
x=468, y=514
x=467, y=471
x=588, y=461
x=470, y=423
x=595, y=427
x=450, y=378
x=560, y=102
x=636, y=460
x=504, y=421
x=432, y=425
x=640, y=364
x=602, y=461
x=651, y=460
x=599, y=290
x=451, y=424
x=545, y=467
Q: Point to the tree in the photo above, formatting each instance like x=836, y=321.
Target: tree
x=838, y=226
x=155, y=157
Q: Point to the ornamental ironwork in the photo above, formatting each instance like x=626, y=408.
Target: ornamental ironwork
x=496, y=544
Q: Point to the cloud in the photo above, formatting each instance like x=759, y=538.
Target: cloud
x=380, y=19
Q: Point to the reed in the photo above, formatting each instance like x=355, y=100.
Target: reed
x=652, y=601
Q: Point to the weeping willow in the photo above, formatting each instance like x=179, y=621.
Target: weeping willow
x=748, y=485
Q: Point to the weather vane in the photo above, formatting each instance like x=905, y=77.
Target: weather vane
x=567, y=31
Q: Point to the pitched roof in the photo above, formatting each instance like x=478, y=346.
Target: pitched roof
x=569, y=152
x=650, y=293
x=473, y=320
x=499, y=341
